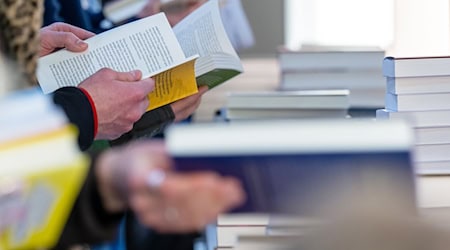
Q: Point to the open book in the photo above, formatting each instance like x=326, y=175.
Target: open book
x=150, y=45
x=42, y=171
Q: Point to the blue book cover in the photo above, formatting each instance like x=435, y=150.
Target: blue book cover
x=297, y=167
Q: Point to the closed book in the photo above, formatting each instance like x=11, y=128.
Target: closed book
x=427, y=118
x=419, y=84
x=432, y=193
x=285, y=165
x=418, y=102
x=267, y=242
x=432, y=168
x=416, y=66
x=432, y=135
x=336, y=59
x=329, y=79
x=39, y=153
x=227, y=236
x=306, y=99
x=243, y=114
x=432, y=152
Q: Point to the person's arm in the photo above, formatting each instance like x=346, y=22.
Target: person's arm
x=72, y=100
x=89, y=222
x=138, y=176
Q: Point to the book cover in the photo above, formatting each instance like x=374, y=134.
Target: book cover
x=418, y=119
x=417, y=102
x=418, y=84
x=416, y=66
x=300, y=99
x=42, y=170
x=51, y=170
x=340, y=59
x=290, y=166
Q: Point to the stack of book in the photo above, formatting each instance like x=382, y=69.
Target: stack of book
x=355, y=68
x=418, y=89
x=269, y=105
x=225, y=233
x=42, y=171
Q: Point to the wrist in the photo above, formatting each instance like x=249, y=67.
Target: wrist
x=110, y=181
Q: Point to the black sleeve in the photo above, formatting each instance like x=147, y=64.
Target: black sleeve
x=78, y=109
x=150, y=124
x=89, y=222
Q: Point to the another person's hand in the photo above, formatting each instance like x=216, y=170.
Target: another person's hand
x=152, y=7
x=62, y=35
x=175, y=10
x=120, y=99
x=139, y=177
x=185, y=107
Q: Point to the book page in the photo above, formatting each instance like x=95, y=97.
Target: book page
x=174, y=84
x=202, y=32
x=148, y=44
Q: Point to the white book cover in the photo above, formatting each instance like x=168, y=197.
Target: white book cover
x=330, y=59
x=416, y=66
x=432, y=152
x=432, y=135
x=418, y=102
x=245, y=114
x=306, y=99
x=433, y=168
x=418, y=119
x=332, y=79
x=419, y=84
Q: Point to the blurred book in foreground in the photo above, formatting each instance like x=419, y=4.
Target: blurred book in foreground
x=293, y=166
x=40, y=159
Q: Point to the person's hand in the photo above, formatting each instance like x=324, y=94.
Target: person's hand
x=62, y=35
x=139, y=177
x=120, y=99
x=185, y=107
x=152, y=7
x=175, y=10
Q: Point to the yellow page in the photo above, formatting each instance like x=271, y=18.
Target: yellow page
x=173, y=84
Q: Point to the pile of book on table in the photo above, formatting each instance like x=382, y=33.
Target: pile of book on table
x=301, y=104
x=418, y=89
x=324, y=67
x=42, y=171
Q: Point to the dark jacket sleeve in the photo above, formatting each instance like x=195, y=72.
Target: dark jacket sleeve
x=78, y=109
x=150, y=124
x=89, y=222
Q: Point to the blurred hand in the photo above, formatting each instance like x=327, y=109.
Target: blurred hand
x=171, y=202
x=175, y=10
x=152, y=7
x=120, y=99
x=185, y=107
x=62, y=35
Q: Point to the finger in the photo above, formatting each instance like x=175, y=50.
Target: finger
x=202, y=90
x=67, y=40
x=79, y=32
x=147, y=85
x=130, y=76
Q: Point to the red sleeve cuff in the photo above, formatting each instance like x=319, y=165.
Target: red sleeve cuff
x=94, y=110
